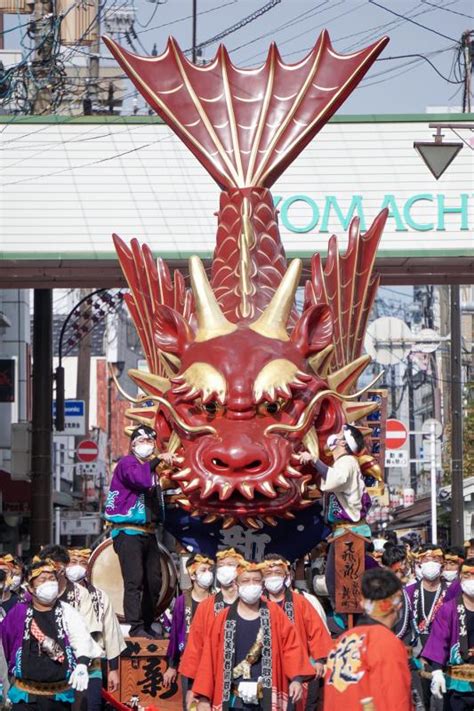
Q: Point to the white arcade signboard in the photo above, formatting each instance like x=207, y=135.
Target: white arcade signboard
x=68, y=185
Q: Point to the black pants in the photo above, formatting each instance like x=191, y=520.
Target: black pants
x=139, y=558
x=456, y=701
x=41, y=703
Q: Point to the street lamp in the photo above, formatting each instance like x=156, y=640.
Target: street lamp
x=437, y=155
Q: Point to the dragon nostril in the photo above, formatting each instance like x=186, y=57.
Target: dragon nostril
x=219, y=463
x=254, y=465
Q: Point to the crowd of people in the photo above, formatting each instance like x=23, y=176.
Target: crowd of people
x=243, y=634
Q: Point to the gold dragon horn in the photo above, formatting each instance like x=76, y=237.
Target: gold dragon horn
x=211, y=321
x=272, y=322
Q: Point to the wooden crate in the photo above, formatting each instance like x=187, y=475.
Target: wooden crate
x=142, y=666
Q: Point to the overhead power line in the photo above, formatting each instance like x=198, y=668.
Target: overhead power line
x=238, y=25
x=414, y=22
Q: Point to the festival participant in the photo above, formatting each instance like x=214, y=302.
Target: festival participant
x=110, y=636
x=451, y=645
x=252, y=655
x=72, y=593
x=453, y=558
x=310, y=627
x=426, y=597
x=469, y=548
x=47, y=646
x=227, y=561
x=201, y=572
x=368, y=662
x=134, y=506
x=18, y=570
x=395, y=559
x=347, y=500
x=9, y=597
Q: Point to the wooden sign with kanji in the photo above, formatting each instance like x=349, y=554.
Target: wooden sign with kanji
x=349, y=559
x=142, y=666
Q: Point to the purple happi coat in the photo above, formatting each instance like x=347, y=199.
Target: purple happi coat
x=444, y=645
x=12, y=630
x=125, y=501
x=410, y=590
x=180, y=624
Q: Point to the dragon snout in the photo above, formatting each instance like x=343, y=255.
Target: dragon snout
x=236, y=459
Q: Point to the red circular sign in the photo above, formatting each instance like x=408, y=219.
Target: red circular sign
x=87, y=450
x=396, y=434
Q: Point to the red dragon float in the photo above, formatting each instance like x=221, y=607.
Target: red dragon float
x=239, y=382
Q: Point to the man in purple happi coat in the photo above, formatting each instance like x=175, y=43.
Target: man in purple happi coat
x=201, y=572
x=134, y=506
x=47, y=646
x=451, y=646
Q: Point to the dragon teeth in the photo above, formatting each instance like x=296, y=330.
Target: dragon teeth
x=266, y=488
x=281, y=480
x=247, y=490
x=225, y=490
x=253, y=523
x=229, y=521
x=181, y=474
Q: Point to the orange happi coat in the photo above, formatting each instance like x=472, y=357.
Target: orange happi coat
x=310, y=627
x=367, y=661
x=288, y=660
x=200, y=626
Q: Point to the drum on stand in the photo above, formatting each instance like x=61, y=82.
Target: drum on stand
x=105, y=573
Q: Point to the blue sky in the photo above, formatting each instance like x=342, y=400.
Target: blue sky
x=403, y=85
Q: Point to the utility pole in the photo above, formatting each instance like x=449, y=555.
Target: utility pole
x=457, y=481
x=94, y=61
x=43, y=57
x=466, y=43
x=457, y=474
x=83, y=381
x=194, y=55
x=42, y=424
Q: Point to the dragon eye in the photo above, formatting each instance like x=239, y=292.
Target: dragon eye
x=211, y=407
x=270, y=408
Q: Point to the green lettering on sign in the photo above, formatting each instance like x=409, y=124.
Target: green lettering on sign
x=345, y=220
x=393, y=211
x=462, y=210
x=419, y=226
x=299, y=228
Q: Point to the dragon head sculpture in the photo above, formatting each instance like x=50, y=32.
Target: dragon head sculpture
x=239, y=382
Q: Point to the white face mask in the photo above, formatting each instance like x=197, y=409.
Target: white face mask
x=274, y=584
x=143, y=449
x=226, y=574
x=449, y=575
x=16, y=582
x=74, y=573
x=250, y=593
x=430, y=570
x=467, y=586
x=47, y=592
x=204, y=580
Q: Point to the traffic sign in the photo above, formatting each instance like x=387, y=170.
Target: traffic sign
x=87, y=450
x=431, y=424
x=396, y=434
x=74, y=417
x=396, y=458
